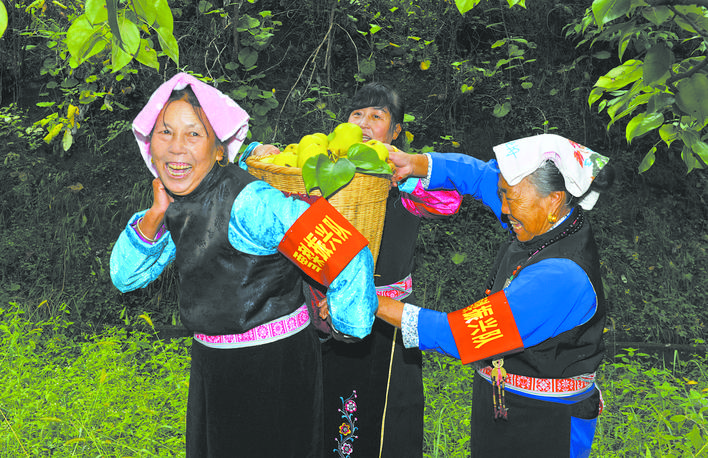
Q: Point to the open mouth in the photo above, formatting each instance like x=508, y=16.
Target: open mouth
x=178, y=170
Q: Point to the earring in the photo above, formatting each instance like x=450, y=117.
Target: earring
x=552, y=218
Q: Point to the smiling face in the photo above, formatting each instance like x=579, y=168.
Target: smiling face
x=183, y=147
x=527, y=210
x=375, y=123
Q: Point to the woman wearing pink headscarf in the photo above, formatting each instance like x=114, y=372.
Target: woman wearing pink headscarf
x=240, y=247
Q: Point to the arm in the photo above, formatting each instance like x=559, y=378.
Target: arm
x=351, y=295
x=134, y=262
x=540, y=312
x=144, y=248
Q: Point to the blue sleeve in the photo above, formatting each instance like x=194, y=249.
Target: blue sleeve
x=540, y=311
x=135, y=263
x=260, y=217
x=467, y=175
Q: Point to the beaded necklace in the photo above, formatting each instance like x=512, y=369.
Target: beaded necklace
x=574, y=227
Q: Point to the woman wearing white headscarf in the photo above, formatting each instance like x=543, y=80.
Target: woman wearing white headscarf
x=536, y=336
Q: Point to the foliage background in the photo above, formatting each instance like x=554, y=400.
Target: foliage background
x=470, y=82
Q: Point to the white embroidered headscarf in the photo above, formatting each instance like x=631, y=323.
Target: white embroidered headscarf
x=578, y=165
x=229, y=121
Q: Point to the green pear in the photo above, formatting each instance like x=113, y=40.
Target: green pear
x=343, y=136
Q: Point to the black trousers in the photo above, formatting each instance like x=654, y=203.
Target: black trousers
x=260, y=401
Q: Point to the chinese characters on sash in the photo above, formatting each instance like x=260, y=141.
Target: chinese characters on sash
x=322, y=242
x=485, y=329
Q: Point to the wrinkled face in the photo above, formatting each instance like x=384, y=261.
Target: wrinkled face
x=527, y=211
x=375, y=123
x=183, y=147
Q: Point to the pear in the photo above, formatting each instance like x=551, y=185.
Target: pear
x=380, y=148
x=288, y=159
x=310, y=139
x=291, y=148
x=313, y=149
x=343, y=136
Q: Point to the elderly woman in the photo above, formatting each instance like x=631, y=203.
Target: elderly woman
x=536, y=338
x=255, y=386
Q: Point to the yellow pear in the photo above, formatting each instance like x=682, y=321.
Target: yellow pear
x=307, y=140
x=291, y=148
x=380, y=148
x=343, y=136
x=288, y=159
x=267, y=159
x=313, y=149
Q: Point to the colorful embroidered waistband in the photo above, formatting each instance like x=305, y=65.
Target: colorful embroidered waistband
x=260, y=335
x=399, y=290
x=550, y=387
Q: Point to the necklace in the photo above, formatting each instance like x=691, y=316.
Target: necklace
x=573, y=227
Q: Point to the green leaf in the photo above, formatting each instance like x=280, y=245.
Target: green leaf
x=165, y=21
x=130, y=35
x=247, y=57
x=319, y=172
x=147, y=56
x=690, y=159
x=657, y=15
x=668, y=133
x=465, y=5
x=367, y=67
x=621, y=76
x=657, y=63
x=147, y=10
x=501, y=110
x=648, y=160
x=119, y=58
x=695, y=14
x=96, y=11
x=67, y=140
x=3, y=19
x=692, y=96
x=700, y=148
x=374, y=28
x=458, y=258
x=643, y=123
x=168, y=43
x=605, y=11
x=366, y=160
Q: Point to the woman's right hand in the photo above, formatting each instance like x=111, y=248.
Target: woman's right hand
x=408, y=165
x=152, y=220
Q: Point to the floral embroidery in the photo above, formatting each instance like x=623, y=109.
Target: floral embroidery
x=345, y=442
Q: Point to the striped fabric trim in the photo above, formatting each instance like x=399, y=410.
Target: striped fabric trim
x=550, y=387
x=277, y=329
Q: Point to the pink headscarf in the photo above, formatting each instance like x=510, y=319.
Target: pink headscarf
x=229, y=121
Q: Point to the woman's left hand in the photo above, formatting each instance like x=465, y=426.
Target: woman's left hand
x=324, y=308
x=265, y=150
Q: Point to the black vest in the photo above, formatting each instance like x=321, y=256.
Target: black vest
x=400, y=233
x=222, y=290
x=579, y=350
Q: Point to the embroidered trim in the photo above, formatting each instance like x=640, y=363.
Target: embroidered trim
x=399, y=290
x=345, y=442
x=409, y=325
x=550, y=387
x=277, y=329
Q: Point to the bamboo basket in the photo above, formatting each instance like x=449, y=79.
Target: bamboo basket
x=362, y=201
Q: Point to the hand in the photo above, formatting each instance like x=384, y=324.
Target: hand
x=265, y=150
x=324, y=308
x=151, y=222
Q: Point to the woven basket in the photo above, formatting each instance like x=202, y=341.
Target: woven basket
x=362, y=201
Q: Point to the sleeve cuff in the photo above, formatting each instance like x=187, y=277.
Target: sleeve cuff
x=409, y=325
x=425, y=182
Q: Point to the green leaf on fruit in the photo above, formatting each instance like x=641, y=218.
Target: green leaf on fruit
x=329, y=177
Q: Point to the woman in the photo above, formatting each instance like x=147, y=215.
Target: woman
x=536, y=338
x=255, y=383
x=378, y=377
x=382, y=377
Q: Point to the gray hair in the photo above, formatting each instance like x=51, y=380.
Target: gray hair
x=547, y=179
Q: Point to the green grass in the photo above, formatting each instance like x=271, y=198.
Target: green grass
x=120, y=394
